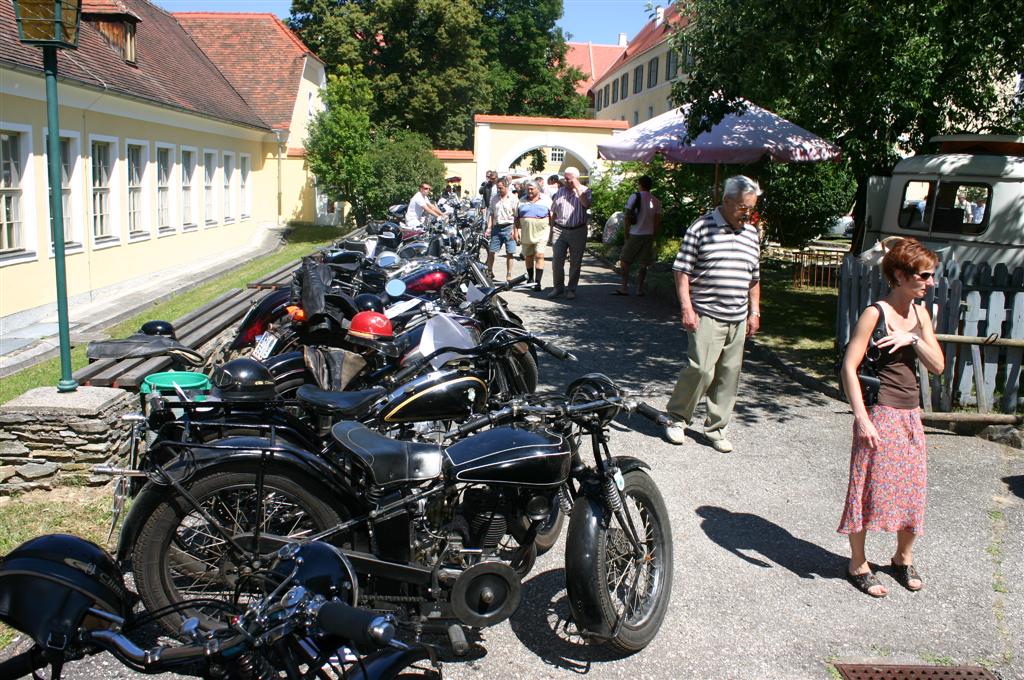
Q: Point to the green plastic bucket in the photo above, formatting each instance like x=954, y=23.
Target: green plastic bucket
x=193, y=384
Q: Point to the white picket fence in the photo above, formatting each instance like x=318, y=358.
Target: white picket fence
x=967, y=300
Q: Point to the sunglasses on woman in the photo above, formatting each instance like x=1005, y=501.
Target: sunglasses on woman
x=924, y=276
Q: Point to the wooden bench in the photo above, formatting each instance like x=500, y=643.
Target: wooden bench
x=193, y=329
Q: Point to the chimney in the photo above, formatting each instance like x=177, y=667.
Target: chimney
x=622, y=40
x=659, y=16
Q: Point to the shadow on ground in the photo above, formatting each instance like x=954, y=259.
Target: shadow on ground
x=744, y=535
x=543, y=625
x=1015, y=483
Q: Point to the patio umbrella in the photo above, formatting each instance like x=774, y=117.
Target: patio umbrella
x=738, y=138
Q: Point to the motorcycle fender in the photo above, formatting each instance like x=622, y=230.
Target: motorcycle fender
x=589, y=518
x=207, y=460
x=387, y=663
x=269, y=309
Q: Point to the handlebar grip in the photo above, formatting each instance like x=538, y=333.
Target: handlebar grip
x=557, y=352
x=362, y=627
x=23, y=665
x=516, y=281
x=473, y=425
x=651, y=413
x=406, y=372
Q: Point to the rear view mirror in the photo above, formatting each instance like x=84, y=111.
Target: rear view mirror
x=395, y=288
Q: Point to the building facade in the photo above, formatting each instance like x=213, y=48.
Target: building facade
x=637, y=86
x=163, y=158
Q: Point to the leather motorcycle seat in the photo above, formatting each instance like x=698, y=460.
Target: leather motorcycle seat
x=389, y=460
x=338, y=404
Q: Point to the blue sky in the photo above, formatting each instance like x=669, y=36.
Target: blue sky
x=598, y=21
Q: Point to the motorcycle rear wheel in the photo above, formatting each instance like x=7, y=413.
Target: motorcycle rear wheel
x=624, y=585
x=178, y=556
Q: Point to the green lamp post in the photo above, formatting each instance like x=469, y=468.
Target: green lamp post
x=53, y=25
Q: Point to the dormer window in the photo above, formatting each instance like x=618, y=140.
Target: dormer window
x=116, y=23
x=129, y=42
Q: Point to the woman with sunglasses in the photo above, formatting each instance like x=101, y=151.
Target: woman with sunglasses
x=888, y=460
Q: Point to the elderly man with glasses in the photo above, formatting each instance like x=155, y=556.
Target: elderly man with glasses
x=718, y=278
x=418, y=205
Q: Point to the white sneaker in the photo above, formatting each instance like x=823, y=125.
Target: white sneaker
x=676, y=432
x=722, y=445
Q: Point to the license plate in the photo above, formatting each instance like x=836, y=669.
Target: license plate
x=264, y=346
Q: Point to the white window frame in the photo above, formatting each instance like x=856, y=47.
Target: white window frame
x=73, y=207
x=229, y=184
x=557, y=154
x=210, y=192
x=245, y=190
x=190, y=218
x=113, y=193
x=173, y=189
x=146, y=191
x=27, y=202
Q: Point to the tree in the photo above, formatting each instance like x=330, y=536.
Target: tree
x=399, y=161
x=801, y=200
x=338, y=139
x=877, y=78
x=433, y=64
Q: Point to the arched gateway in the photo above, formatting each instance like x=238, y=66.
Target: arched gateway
x=499, y=140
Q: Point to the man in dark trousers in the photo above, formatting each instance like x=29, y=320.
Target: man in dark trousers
x=641, y=226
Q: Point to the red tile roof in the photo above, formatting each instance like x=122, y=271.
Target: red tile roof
x=452, y=154
x=649, y=36
x=257, y=53
x=170, y=69
x=593, y=60
x=108, y=7
x=553, y=122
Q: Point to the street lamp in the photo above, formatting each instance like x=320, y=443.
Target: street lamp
x=53, y=25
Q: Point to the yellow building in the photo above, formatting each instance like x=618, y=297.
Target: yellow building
x=637, y=86
x=181, y=137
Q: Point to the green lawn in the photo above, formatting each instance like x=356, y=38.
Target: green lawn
x=299, y=241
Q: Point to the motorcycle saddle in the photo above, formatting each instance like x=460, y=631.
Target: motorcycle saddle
x=389, y=460
x=338, y=404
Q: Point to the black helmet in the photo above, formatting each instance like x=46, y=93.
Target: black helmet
x=158, y=327
x=368, y=302
x=48, y=583
x=319, y=568
x=243, y=380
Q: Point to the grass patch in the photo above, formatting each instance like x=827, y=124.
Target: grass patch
x=299, y=241
x=937, y=659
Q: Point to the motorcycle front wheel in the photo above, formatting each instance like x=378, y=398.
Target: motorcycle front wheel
x=180, y=556
x=618, y=583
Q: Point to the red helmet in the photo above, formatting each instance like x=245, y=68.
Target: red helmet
x=371, y=326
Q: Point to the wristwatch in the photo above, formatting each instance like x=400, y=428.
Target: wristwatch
x=914, y=339
x=758, y=314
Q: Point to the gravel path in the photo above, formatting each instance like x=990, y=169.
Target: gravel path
x=758, y=586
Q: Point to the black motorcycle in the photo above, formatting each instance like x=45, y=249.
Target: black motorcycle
x=68, y=596
x=437, y=534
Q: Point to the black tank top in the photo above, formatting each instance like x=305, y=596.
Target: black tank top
x=898, y=374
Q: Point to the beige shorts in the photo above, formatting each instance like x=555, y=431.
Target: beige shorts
x=639, y=249
x=533, y=234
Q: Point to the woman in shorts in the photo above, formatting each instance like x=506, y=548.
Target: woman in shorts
x=533, y=221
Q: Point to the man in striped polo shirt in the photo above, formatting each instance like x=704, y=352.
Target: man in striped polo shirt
x=718, y=277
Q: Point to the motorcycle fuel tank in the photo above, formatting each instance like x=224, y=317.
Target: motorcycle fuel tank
x=510, y=455
x=428, y=279
x=452, y=394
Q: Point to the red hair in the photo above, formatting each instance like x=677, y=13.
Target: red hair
x=907, y=256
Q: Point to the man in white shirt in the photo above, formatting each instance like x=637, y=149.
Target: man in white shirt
x=418, y=205
x=642, y=224
x=501, y=227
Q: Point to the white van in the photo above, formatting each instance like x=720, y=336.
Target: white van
x=965, y=202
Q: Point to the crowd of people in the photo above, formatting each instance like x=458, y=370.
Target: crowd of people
x=717, y=275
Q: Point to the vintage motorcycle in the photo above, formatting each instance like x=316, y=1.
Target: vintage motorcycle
x=69, y=597
x=439, y=535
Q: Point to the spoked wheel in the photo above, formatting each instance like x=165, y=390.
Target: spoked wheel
x=180, y=556
x=628, y=591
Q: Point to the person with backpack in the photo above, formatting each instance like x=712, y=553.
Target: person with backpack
x=641, y=227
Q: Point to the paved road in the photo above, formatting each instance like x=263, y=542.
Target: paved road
x=758, y=589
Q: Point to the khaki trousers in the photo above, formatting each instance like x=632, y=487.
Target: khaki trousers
x=715, y=357
x=573, y=242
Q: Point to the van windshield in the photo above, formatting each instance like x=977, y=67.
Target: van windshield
x=948, y=207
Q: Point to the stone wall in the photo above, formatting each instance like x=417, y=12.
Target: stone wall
x=48, y=437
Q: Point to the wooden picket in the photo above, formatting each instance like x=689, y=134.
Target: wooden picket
x=968, y=300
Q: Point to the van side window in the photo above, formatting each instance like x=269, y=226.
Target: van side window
x=962, y=208
x=916, y=204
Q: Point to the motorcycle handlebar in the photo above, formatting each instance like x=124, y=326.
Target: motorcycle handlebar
x=515, y=282
x=24, y=664
x=652, y=414
x=557, y=352
x=362, y=627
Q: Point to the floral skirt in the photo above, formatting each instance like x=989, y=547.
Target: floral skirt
x=888, y=485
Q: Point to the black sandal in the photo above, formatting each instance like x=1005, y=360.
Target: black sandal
x=904, y=574
x=864, y=582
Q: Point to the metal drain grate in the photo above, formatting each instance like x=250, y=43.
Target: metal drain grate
x=857, y=671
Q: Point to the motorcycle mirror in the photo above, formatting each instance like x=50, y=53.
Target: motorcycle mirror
x=395, y=288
